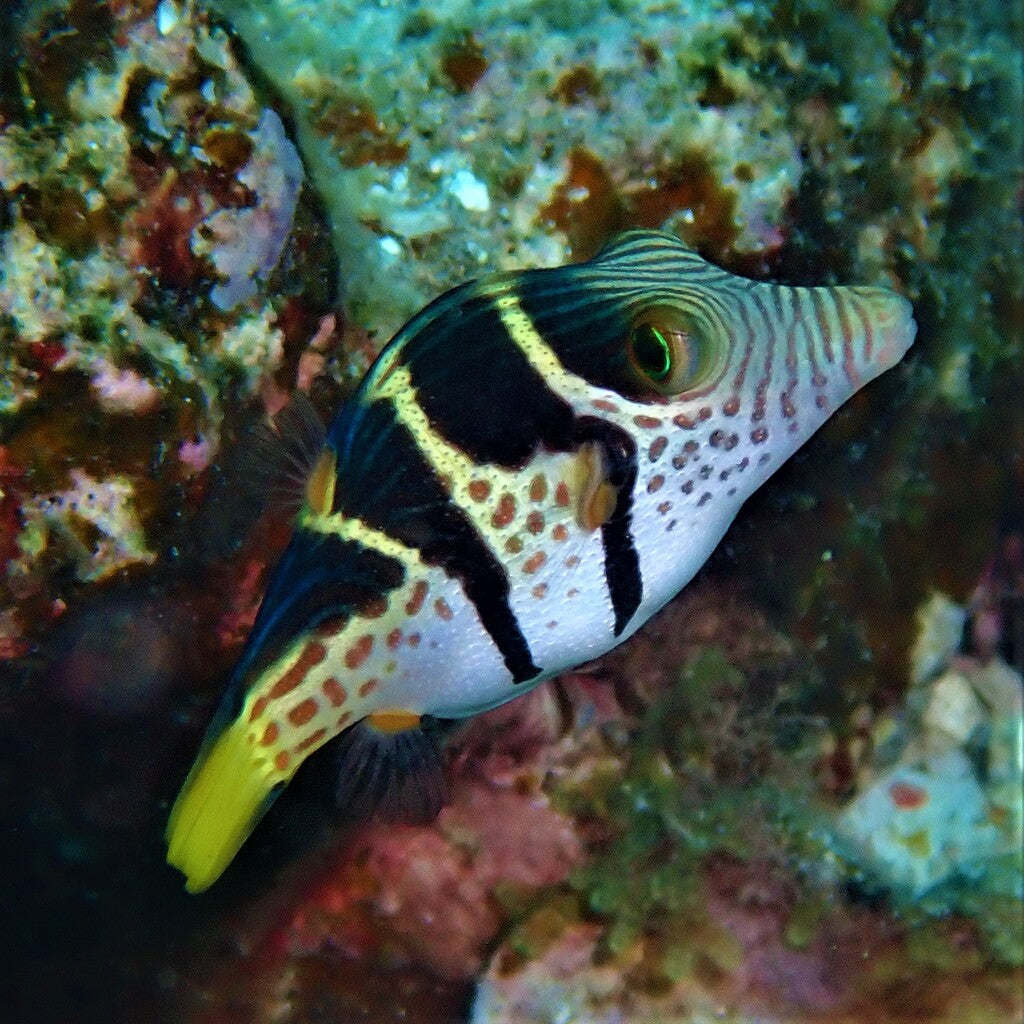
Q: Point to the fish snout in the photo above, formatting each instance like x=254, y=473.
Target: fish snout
x=889, y=330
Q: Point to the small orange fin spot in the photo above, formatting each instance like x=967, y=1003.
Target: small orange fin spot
x=320, y=486
x=393, y=720
x=596, y=497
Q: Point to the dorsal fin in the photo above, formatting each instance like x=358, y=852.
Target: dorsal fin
x=286, y=457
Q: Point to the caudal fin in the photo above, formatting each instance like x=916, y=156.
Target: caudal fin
x=225, y=795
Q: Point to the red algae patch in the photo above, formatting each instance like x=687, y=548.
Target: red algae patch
x=463, y=62
x=586, y=205
x=160, y=208
x=358, y=133
x=427, y=894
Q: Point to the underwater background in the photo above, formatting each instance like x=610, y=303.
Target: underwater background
x=795, y=796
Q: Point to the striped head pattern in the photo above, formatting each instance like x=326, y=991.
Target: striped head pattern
x=534, y=465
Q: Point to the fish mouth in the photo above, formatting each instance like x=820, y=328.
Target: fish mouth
x=892, y=330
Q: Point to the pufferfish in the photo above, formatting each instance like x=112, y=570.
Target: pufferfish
x=534, y=465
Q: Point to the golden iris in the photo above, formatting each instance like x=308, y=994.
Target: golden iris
x=664, y=352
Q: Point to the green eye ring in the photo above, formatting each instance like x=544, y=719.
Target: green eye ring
x=666, y=352
x=651, y=351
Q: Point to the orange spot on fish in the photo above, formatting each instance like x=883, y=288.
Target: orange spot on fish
x=331, y=627
x=655, y=484
x=479, y=490
x=368, y=687
x=513, y=545
x=281, y=760
x=505, y=512
x=320, y=486
x=535, y=522
x=334, y=692
x=359, y=652
x=597, y=506
x=393, y=721
x=303, y=712
x=343, y=720
x=562, y=495
x=313, y=654
x=604, y=405
x=560, y=532
x=534, y=562
x=270, y=734
x=311, y=741
x=414, y=639
x=258, y=707
x=374, y=609
x=597, y=496
x=540, y=590
x=538, y=488
x=419, y=595
x=647, y=422
x=394, y=638
x=442, y=609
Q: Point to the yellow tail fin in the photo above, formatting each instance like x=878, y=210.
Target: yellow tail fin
x=227, y=792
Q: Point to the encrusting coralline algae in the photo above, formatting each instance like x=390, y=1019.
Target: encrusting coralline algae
x=144, y=217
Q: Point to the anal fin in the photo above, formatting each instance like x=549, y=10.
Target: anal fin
x=389, y=767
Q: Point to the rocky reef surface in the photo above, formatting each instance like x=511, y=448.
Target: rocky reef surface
x=795, y=796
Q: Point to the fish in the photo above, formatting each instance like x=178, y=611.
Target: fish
x=532, y=467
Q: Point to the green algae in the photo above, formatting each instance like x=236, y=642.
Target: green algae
x=671, y=810
x=990, y=897
x=675, y=801
x=696, y=871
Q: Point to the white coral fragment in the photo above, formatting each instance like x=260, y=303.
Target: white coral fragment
x=921, y=824
x=95, y=521
x=470, y=191
x=940, y=627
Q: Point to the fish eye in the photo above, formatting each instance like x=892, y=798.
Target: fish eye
x=666, y=351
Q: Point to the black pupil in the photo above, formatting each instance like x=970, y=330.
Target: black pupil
x=652, y=351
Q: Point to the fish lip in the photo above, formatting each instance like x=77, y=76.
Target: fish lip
x=894, y=326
